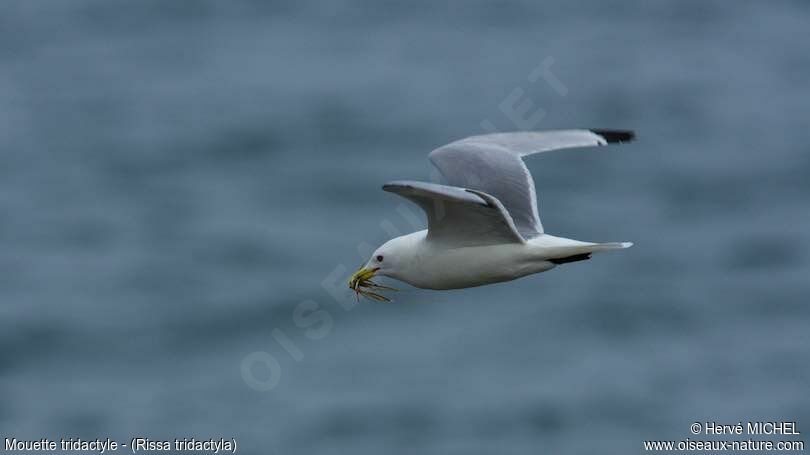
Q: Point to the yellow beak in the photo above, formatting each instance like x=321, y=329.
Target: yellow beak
x=364, y=274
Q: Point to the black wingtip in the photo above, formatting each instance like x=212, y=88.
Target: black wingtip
x=574, y=258
x=613, y=136
x=395, y=185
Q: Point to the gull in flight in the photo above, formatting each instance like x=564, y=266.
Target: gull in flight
x=483, y=226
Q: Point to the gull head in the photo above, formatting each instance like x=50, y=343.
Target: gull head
x=383, y=263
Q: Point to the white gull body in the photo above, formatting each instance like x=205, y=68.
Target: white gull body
x=484, y=227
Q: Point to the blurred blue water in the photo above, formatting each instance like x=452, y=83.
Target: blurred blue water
x=176, y=177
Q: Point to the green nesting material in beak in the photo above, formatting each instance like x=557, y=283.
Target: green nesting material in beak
x=361, y=284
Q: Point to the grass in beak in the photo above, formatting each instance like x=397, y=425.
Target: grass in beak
x=365, y=287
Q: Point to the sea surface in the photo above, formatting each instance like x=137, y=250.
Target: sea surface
x=185, y=186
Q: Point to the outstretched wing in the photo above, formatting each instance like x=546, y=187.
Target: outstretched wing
x=458, y=216
x=493, y=164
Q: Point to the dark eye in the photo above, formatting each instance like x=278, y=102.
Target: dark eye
x=379, y=258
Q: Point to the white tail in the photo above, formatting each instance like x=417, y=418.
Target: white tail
x=610, y=246
x=583, y=251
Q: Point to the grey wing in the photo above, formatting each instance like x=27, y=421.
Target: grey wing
x=493, y=164
x=459, y=216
